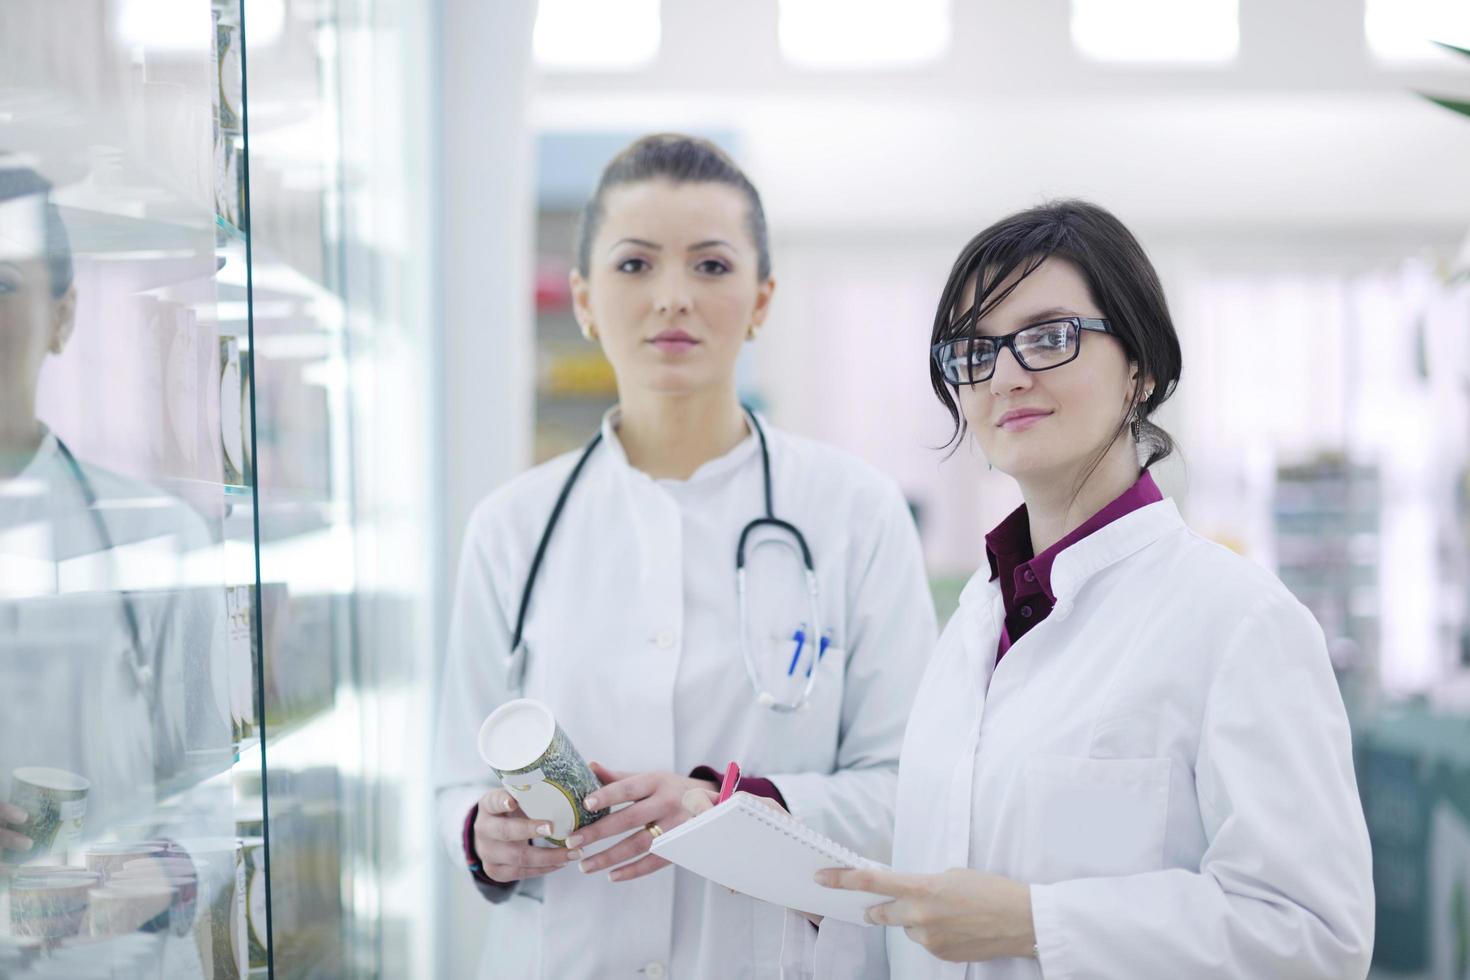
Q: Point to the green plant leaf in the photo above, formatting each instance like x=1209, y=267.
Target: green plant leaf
x=1454, y=49
x=1462, y=106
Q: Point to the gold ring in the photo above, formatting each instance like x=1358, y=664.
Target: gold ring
x=653, y=829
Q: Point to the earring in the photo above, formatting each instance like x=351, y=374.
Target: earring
x=589, y=331
x=750, y=332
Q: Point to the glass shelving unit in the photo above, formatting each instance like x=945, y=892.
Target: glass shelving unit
x=195, y=794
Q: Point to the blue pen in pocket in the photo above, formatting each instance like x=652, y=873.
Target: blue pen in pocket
x=821, y=651
x=799, y=638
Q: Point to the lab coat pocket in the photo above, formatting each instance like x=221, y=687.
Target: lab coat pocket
x=807, y=739
x=1092, y=818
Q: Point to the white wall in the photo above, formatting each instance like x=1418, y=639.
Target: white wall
x=484, y=262
x=1305, y=156
x=1304, y=130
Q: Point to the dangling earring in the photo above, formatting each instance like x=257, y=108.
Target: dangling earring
x=1138, y=419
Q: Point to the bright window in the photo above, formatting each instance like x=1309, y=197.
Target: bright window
x=596, y=35
x=858, y=34
x=1159, y=31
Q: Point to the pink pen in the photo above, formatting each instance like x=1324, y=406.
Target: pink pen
x=732, y=779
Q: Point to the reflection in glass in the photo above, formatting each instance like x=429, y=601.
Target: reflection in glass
x=114, y=719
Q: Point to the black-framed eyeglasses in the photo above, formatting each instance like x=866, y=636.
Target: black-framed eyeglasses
x=1038, y=347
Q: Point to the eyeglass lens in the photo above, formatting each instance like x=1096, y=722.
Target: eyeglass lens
x=969, y=360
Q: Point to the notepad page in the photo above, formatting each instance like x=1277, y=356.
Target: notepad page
x=759, y=851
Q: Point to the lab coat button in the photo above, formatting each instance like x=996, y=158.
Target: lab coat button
x=665, y=640
x=654, y=970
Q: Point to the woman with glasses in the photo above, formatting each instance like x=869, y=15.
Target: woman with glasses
x=635, y=634
x=1128, y=757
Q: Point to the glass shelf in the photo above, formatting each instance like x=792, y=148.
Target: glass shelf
x=206, y=387
x=151, y=242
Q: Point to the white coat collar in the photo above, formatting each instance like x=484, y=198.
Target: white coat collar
x=1101, y=549
x=716, y=467
x=46, y=452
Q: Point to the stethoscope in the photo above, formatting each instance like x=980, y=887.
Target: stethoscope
x=804, y=637
x=143, y=673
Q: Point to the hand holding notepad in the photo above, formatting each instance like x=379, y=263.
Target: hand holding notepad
x=759, y=851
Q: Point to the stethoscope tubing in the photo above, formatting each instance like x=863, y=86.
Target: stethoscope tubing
x=517, y=656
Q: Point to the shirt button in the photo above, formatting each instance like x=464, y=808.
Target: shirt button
x=654, y=970
x=1025, y=612
x=665, y=640
x=1030, y=576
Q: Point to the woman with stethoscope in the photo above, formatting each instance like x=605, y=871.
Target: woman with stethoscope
x=605, y=583
x=1128, y=757
x=93, y=675
x=57, y=619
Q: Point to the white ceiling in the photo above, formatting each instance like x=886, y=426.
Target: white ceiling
x=1304, y=131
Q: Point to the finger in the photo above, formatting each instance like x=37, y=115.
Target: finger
x=696, y=801
x=901, y=913
x=623, y=822
x=10, y=840
x=605, y=775
x=646, y=866
x=623, y=851
x=494, y=828
x=499, y=801
x=508, y=874
x=920, y=935
x=887, y=914
x=526, y=856
x=892, y=883
x=629, y=789
x=766, y=801
x=13, y=814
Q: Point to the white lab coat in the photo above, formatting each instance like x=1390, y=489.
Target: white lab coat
x=633, y=639
x=1165, y=759
x=65, y=647
x=71, y=700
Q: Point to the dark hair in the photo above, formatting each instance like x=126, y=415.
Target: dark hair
x=1120, y=278
x=18, y=182
x=682, y=160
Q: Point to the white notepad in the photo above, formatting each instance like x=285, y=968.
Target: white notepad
x=761, y=852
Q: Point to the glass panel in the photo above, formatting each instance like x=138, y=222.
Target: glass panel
x=126, y=526
x=184, y=789
x=302, y=462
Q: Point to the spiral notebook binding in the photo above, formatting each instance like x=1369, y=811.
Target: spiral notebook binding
x=789, y=826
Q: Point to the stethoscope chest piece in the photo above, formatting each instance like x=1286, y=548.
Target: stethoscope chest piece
x=808, y=635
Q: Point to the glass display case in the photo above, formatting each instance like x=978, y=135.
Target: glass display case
x=185, y=784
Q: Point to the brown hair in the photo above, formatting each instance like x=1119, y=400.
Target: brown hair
x=682, y=160
x=1120, y=277
x=17, y=182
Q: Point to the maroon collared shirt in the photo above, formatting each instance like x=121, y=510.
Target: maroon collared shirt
x=1025, y=579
